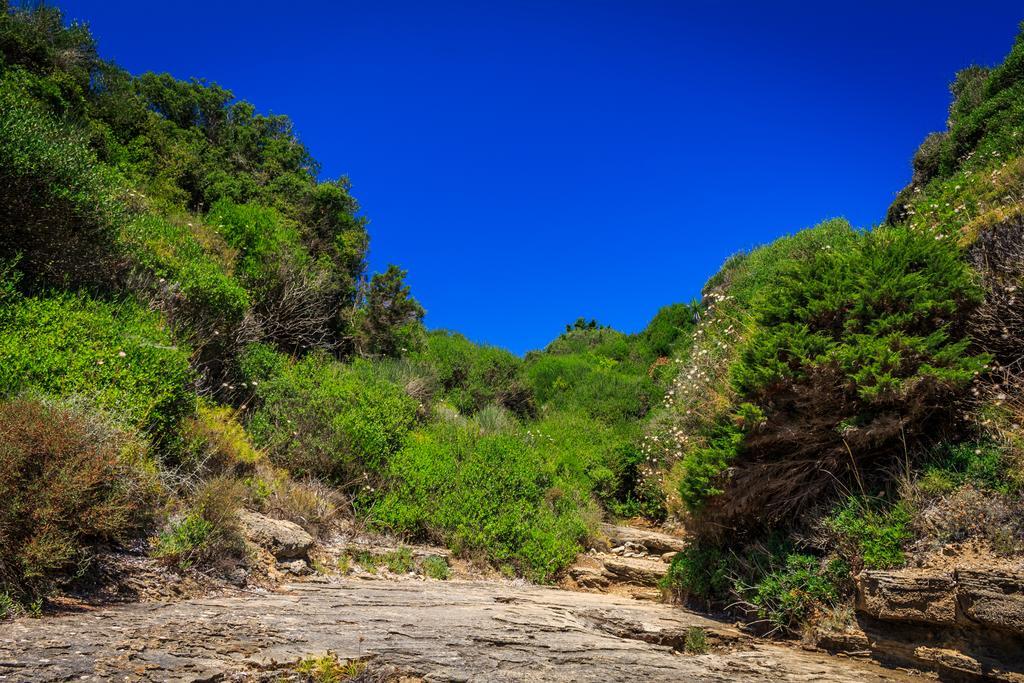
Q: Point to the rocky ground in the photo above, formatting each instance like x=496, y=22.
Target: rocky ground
x=356, y=599
x=432, y=630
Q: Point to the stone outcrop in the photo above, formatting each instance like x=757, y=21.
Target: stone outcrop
x=283, y=539
x=438, y=630
x=655, y=542
x=963, y=623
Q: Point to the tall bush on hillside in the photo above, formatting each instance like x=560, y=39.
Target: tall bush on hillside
x=321, y=418
x=60, y=208
x=852, y=354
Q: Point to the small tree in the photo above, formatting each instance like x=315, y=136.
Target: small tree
x=389, y=320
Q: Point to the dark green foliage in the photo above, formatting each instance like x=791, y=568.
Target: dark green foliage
x=69, y=482
x=700, y=571
x=522, y=497
x=59, y=208
x=322, y=418
x=858, y=344
x=670, y=328
x=390, y=322
x=788, y=596
x=981, y=464
x=115, y=355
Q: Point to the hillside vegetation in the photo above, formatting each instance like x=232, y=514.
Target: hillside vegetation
x=852, y=398
x=188, y=328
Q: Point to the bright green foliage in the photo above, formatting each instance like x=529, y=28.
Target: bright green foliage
x=982, y=464
x=471, y=376
x=329, y=669
x=399, y=561
x=879, y=307
x=172, y=252
x=185, y=539
x=263, y=240
x=326, y=419
x=787, y=596
x=521, y=498
x=871, y=533
x=843, y=327
x=116, y=355
x=669, y=330
x=596, y=384
x=704, y=464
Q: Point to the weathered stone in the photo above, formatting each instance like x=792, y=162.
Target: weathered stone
x=992, y=598
x=285, y=540
x=296, y=567
x=669, y=556
x=635, y=571
x=588, y=577
x=910, y=595
x=654, y=542
x=439, y=630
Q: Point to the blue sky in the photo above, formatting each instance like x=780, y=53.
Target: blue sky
x=533, y=162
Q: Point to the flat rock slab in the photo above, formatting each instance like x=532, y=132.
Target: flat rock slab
x=442, y=631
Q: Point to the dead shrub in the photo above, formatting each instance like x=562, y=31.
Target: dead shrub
x=69, y=482
x=969, y=513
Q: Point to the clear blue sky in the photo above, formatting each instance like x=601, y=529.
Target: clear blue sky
x=532, y=162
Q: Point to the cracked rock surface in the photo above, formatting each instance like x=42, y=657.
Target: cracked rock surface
x=441, y=631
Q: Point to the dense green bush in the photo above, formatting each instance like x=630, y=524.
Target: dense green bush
x=857, y=344
x=700, y=572
x=69, y=481
x=788, y=596
x=187, y=261
x=116, y=355
x=322, y=418
x=519, y=498
x=471, y=376
x=59, y=207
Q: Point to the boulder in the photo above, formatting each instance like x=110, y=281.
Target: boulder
x=654, y=542
x=588, y=577
x=912, y=595
x=285, y=540
x=992, y=598
x=638, y=572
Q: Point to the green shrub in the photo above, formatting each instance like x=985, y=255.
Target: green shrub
x=870, y=533
x=61, y=207
x=69, y=481
x=322, y=418
x=696, y=642
x=207, y=533
x=699, y=571
x=472, y=377
x=117, y=355
x=787, y=597
x=262, y=238
x=498, y=494
x=857, y=341
x=435, y=567
x=980, y=464
x=399, y=561
x=187, y=262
